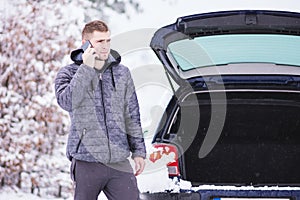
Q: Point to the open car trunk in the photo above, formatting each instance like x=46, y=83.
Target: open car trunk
x=259, y=143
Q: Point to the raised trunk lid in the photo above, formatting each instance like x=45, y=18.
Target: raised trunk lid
x=207, y=44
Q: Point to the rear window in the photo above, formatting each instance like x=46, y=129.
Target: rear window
x=235, y=48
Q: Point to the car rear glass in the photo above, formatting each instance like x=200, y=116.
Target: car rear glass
x=236, y=48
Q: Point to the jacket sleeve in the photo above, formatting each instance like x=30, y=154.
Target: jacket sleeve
x=71, y=84
x=133, y=122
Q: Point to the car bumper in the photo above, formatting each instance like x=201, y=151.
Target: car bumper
x=170, y=196
x=220, y=194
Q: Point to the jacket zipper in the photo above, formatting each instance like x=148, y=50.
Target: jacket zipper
x=80, y=139
x=104, y=115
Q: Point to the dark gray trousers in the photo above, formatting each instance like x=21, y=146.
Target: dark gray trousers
x=117, y=181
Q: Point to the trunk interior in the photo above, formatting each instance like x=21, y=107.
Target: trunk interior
x=258, y=145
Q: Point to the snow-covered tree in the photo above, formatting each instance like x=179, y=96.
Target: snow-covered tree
x=32, y=50
x=36, y=39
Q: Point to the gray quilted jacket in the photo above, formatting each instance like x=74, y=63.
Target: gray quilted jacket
x=104, y=111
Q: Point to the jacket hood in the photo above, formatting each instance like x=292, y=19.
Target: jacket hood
x=76, y=56
x=114, y=58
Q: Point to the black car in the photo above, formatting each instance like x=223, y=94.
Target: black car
x=235, y=119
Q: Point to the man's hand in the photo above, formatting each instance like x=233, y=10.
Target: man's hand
x=89, y=57
x=139, y=165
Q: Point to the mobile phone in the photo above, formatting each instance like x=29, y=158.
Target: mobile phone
x=76, y=55
x=86, y=45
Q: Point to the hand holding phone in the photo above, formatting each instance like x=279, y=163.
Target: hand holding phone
x=76, y=55
x=89, y=56
x=86, y=45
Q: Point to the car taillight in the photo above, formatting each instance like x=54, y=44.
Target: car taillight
x=167, y=150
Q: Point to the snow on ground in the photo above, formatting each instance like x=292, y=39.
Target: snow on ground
x=15, y=194
x=153, y=171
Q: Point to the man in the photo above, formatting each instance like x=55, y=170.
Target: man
x=99, y=94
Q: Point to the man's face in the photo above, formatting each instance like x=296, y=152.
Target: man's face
x=101, y=43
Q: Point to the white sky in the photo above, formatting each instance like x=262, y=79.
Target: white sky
x=158, y=13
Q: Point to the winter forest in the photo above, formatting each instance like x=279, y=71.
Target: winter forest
x=36, y=39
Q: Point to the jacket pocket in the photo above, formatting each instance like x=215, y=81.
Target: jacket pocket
x=80, y=139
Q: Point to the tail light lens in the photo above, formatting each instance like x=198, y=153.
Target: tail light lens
x=167, y=150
